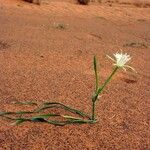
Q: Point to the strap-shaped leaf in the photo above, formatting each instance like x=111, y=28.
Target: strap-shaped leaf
x=82, y=114
x=19, y=121
x=26, y=103
x=96, y=74
x=46, y=116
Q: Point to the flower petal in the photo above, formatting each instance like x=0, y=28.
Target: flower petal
x=127, y=66
x=110, y=58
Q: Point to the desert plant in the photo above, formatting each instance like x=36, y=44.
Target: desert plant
x=119, y=60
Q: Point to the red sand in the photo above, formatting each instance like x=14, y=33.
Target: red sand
x=41, y=63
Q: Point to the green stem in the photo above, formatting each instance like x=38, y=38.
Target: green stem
x=93, y=110
x=105, y=83
x=94, y=98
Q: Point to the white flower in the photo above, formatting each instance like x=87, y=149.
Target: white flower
x=121, y=60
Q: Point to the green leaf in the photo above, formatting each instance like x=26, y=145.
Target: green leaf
x=96, y=74
x=57, y=123
x=18, y=122
x=80, y=121
x=19, y=112
x=70, y=117
x=5, y=113
x=38, y=119
x=26, y=103
x=46, y=116
x=54, y=104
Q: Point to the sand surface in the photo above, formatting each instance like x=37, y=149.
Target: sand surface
x=40, y=62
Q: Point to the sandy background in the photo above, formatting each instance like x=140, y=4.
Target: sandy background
x=42, y=63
